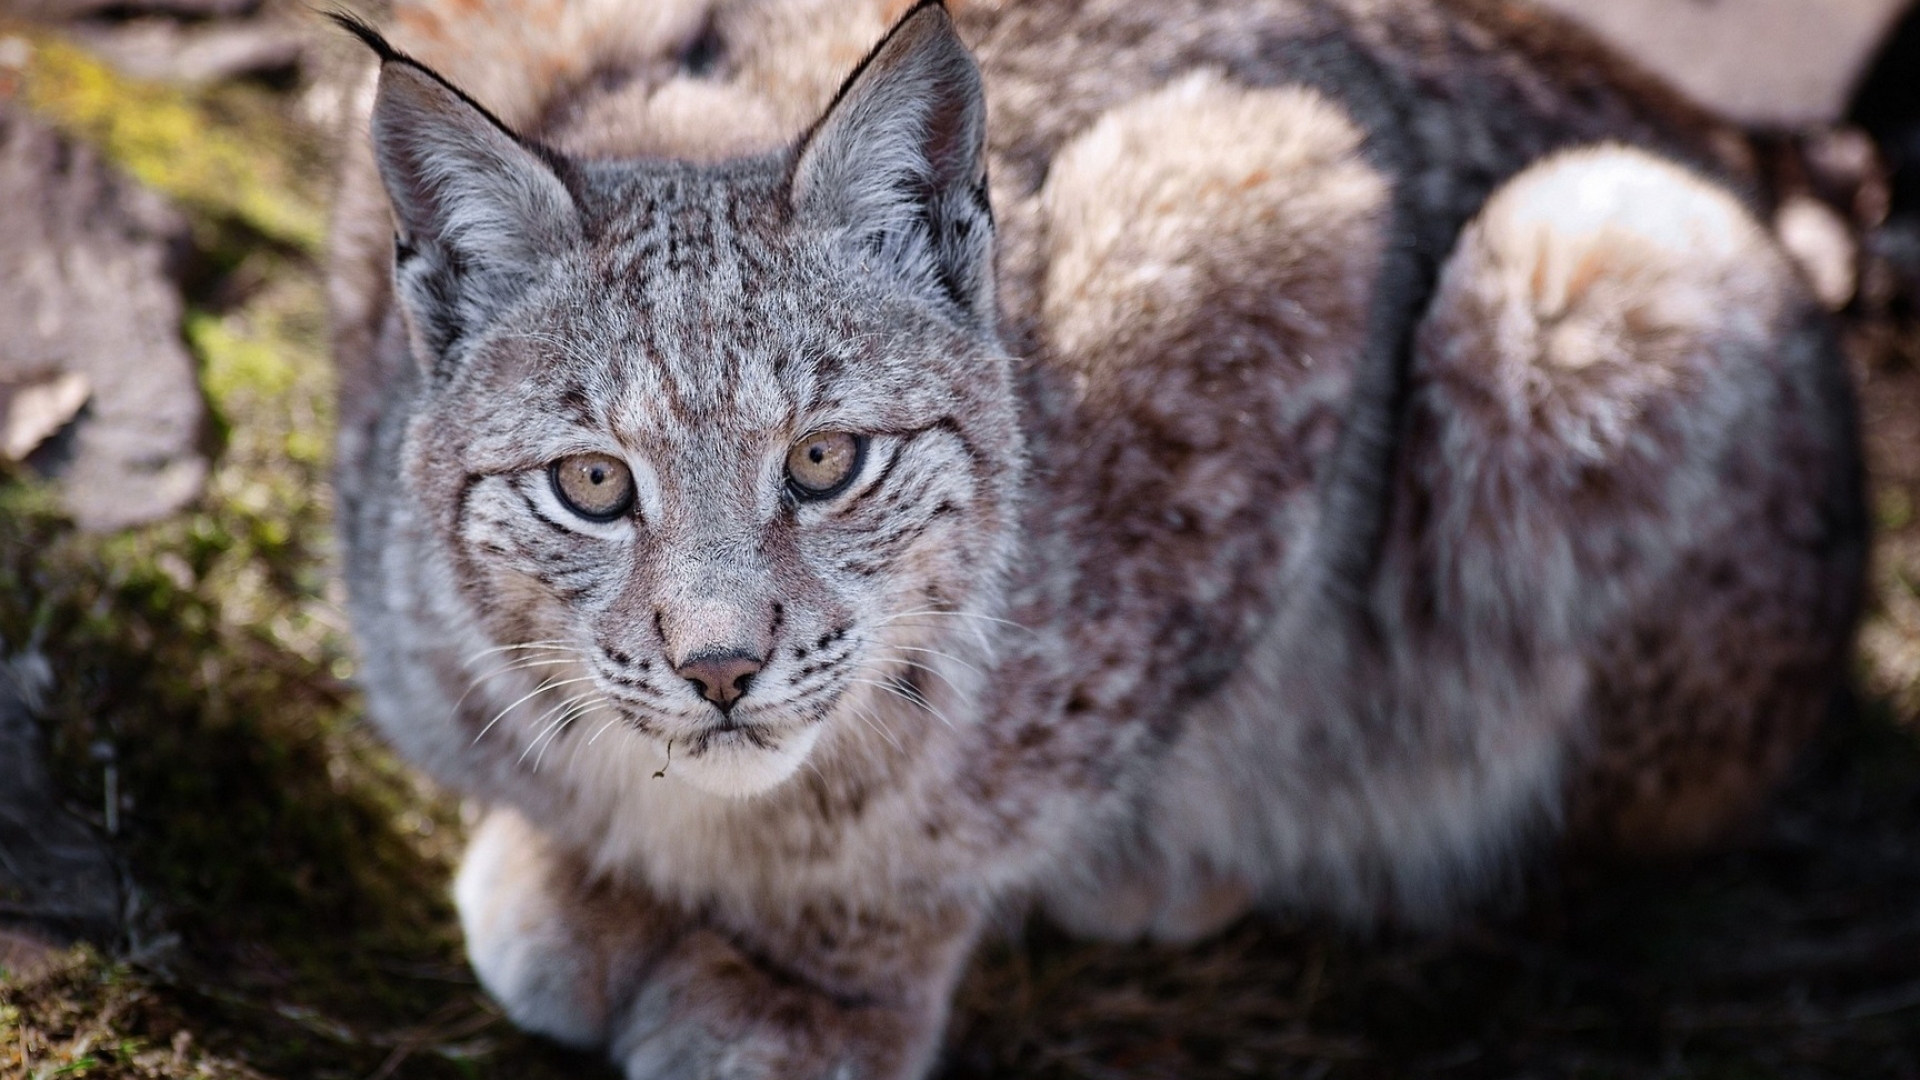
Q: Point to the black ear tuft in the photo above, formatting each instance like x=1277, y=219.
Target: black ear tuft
x=371, y=38
x=477, y=210
x=898, y=166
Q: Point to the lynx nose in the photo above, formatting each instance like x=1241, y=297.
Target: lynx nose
x=721, y=677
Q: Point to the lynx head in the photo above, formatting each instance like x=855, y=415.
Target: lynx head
x=727, y=434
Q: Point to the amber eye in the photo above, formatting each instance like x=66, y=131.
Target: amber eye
x=821, y=465
x=598, y=487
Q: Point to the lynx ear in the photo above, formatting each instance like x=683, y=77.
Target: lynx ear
x=475, y=208
x=898, y=166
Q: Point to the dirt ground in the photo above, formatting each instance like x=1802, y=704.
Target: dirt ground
x=285, y=877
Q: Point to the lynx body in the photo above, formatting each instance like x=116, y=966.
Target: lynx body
x=1148, y=460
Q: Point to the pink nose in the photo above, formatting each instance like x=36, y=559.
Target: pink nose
x=721, y=677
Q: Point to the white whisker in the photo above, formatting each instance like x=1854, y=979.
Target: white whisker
x=958, y=615
x=941, y=655
x=517, y=665
x=536, y=692
x=904, y=662
x=873, y=721
x=544, y=732
x=603, y=729
x=564, y=704
x=552, y=644
x=911, y=699
x=552, y=734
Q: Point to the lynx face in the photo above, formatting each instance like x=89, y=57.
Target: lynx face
x=725, y=444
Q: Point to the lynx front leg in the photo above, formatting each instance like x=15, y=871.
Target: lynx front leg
x=815, y=991
x=557, y=951
x=833, y=994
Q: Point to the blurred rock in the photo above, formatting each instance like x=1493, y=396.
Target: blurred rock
x=58, y=881
x=1822, y=243
x=87, y=290
x=1776, y=63
x=69, y=10
x=197, y=53
x=32, y=412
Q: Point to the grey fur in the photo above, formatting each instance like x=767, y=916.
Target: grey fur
x=1341, y=479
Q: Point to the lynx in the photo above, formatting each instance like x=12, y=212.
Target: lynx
x=1136, y=462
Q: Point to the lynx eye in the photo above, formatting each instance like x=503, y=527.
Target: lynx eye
x=598, y=487
x=821, y=465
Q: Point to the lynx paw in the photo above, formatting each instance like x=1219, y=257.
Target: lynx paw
x=526, y=935
x=827, y=992
x=709, y=1011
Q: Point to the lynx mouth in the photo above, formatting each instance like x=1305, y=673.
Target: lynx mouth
x=730, y=730
x=738, y=759
x=733, y=756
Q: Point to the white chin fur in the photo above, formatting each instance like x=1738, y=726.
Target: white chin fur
x=735, y=768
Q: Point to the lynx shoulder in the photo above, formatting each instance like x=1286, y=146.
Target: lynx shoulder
x=822, y=472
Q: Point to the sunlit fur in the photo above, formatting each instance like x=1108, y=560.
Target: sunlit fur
x=1354, y=446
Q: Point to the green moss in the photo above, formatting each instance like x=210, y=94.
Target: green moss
x=224, y=151
x=300, y=867
x=1893, y=507
x=236, y=360
x=297, y=862
x=86, y=1016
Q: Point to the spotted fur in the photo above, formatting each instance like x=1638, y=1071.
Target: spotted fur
x=1313, y=452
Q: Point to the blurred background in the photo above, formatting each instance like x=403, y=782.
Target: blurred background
x=209, y=868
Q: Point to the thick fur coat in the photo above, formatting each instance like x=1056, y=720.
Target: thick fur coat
x=1303, y=453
